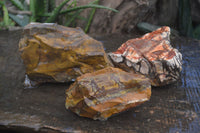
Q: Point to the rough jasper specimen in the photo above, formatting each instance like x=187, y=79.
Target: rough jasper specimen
x=151, y=55
x=100, y=94
x=54, y=53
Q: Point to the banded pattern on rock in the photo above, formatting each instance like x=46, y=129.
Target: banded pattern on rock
x=100, y=94
x=151, y=55
x=54, y=53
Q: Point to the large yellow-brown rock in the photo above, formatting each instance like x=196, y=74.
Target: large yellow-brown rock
x=54, y=53
x=101, y=94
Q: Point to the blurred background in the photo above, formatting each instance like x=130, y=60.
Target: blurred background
x=106, y=16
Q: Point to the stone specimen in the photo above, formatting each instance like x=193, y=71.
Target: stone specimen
x=100, y=94
x=151, y=55
x=54, y=53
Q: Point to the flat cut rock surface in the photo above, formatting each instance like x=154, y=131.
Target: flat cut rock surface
x=174, y=108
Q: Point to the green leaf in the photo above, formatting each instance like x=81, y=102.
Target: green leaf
x=41, y=7
x=33, y=10
x=72, y=18
x=56, y=12
x=87, y=6
x=185, y=19
x=5, y=15
x=45, y=15
x=72, y=4
x=91, y=17
x=21, y=20
x=82, y=18
x=45, y=5
x=6, y=20
x=18, y=4
x=196, y=32
x=25, y=5
x=147, y=27
x=51, y=5
x=1, y=3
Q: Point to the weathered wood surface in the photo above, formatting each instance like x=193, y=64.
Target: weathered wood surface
x=174, y=108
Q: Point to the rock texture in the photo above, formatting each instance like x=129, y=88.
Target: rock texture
x=12, y=70
x=151, y=55
x=100, y=94
x=54, y=53
x=130, y=13
x=165, y=8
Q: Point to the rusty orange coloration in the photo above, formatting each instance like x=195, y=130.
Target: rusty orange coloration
x=54, y=53
x=151, y=55
x=101, y=94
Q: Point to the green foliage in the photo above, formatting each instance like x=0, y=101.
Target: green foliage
x=20, y=20
x=72, y=17
x=196, y=32
x=45, y=11
x=6, y=20
x=18, y=4
x=33, y=10
x=51, y=5
x=86, y=6
x=56, y=12
x=185, y=20
x=91, y=17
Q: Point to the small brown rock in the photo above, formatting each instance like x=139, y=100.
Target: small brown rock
x=100, y=94
x=54, y=53
x=151, y=55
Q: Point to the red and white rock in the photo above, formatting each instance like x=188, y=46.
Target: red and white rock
x=151, y=55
